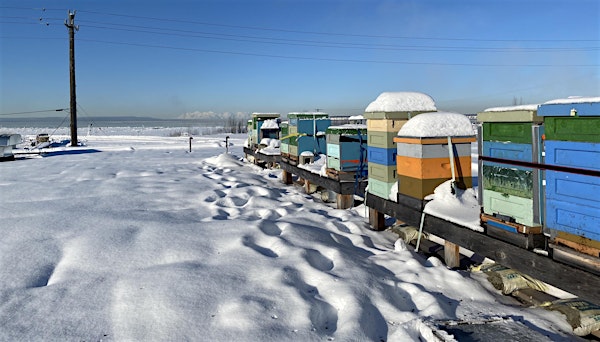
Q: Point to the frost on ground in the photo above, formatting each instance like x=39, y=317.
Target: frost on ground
x=145, y=241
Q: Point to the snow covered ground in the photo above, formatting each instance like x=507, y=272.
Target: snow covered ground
x=140, y=240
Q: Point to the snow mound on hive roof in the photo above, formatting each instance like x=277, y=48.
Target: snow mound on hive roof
x=401, y=102
x=270, y=124
x=513, y=108
x=438, y=124
x=574, y=99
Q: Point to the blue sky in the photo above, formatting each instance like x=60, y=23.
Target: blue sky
x=167, y=58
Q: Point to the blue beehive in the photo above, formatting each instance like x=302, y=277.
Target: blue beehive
x=573, y=141
x=572, y=204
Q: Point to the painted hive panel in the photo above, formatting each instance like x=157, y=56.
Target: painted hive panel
x=431, y=168
x=508, y=180
x=384, y=125
x=573, y=218
x=582, y=129
x=384, y=156
x=577, y=189
x=432, y=151
x=337, y=138
x=379, y=188
x=381, y=139
x=292, y=129
x=343, y=165
x=305, y=144
x=382, y=172
x=333, y=150
x=420, y=188
x=564, y=109
x=333, y=163
x=573, y=154
x=518, y=208
x=307, y=126
x=284, y=148
x=353, y=151
x=284, y=129
x=510, y=151
x=515, y=132
x=293, y=150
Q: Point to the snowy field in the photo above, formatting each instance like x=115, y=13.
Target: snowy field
x=141, y=240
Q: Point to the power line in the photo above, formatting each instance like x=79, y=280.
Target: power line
x=328, y=44
x=338, y=34
x=36, y=111
x=334, y=59
x=333, y=33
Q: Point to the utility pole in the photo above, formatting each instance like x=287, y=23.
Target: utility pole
x=70, y=24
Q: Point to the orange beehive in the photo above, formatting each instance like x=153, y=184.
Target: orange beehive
x=418, y=177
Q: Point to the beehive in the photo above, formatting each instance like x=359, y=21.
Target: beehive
x=307, y=132
x=385, y=116
x=573, y=141
x=347, y=147
x=424, y=163
x=255, y=124
x=509, y=191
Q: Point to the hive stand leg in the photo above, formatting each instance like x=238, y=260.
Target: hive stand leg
x=286, y=177
x=451, y=254
x=309, y=188
x=345, y=201
x=376, y=219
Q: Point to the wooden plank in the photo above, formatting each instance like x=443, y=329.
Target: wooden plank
x=571, y=279
x=345, y=188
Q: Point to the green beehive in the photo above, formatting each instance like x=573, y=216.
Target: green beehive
x=575, y=128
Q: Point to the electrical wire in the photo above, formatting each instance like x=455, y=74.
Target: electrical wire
x=36, y=111
x=333, y=59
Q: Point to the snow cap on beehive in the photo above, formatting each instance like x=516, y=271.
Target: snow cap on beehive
x=402, y=102
x=438, y=124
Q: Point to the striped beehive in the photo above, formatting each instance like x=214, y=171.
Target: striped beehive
x=572, y=140
x=511, y=193
x=307, y=133
x=347, y=148
x=424, y=163
x=385, y=116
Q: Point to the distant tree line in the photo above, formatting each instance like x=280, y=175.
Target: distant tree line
x=236, y=125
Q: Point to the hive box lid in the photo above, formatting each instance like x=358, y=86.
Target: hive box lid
x=525, y=113
x=580, y=106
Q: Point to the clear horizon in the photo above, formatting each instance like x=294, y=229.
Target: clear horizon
x=164, y=59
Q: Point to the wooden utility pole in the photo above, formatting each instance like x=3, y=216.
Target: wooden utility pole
x=70, y=24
